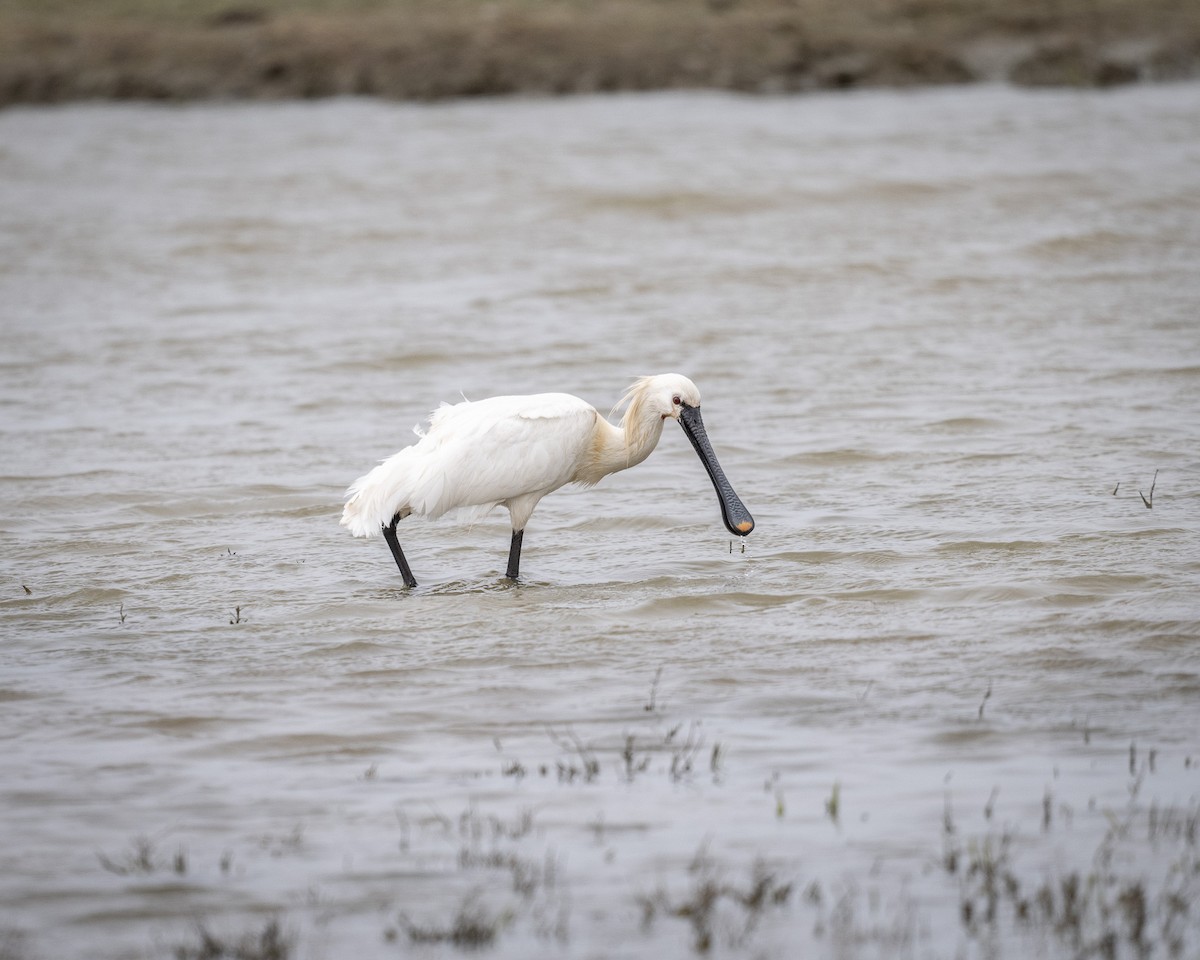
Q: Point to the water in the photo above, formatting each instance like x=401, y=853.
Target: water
x=934, y=331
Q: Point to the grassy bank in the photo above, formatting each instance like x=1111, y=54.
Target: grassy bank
x=57, y=50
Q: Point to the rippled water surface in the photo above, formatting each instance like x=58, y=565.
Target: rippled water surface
x=946, y=341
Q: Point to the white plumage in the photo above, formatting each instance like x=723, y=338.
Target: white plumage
x=478, y=455
x=512, y=451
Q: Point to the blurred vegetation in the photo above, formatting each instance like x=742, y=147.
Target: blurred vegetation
x=964, y=15
x=54, y=50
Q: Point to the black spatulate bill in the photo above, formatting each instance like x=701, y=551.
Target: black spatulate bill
x=737, y=518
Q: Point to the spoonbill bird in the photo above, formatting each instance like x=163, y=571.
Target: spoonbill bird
x=512, y=451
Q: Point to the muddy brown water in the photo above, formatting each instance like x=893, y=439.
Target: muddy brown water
x=944, y=339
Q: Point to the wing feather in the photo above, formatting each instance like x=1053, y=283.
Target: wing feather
x=505, y=447
x=474, y=456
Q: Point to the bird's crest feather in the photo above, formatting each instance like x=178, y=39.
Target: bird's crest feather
x=635, y=423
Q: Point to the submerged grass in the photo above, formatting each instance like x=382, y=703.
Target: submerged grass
x=1108, y=882
x=472, y=926
x=270, y=943
x=1107, y=910
x=1013, y=886
x=710, y=895
x=682, y=752
x=1010, y=889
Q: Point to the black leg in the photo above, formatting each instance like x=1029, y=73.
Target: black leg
x=514, y=554
x=389, y=534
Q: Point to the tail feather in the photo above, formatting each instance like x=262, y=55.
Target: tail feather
x=375, y=498
x=417, y=478
x=411, y=481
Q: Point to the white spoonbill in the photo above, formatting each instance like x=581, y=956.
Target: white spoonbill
x=512, y=451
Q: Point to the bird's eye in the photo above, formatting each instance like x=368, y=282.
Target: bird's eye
x=675, y=400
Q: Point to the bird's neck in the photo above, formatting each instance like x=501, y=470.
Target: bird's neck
x=619, y=447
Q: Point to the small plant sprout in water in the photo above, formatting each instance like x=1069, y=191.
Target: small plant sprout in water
x=1147, y=499
x=139, y=859
x=511, y=767
x=270, y=943
x=772, y=787
x=715, y=904
x=652, y=704
x=990, y=807
x=714, y=761
x=589, y=766
x=986, y=697
x=632, y=764
x=950, y=847
x=684, y=753
x=833, y=805
x=1149, y=502
x=472, y=927
x=237, y=615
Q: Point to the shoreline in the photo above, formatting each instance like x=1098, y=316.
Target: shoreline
x=418, y=52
